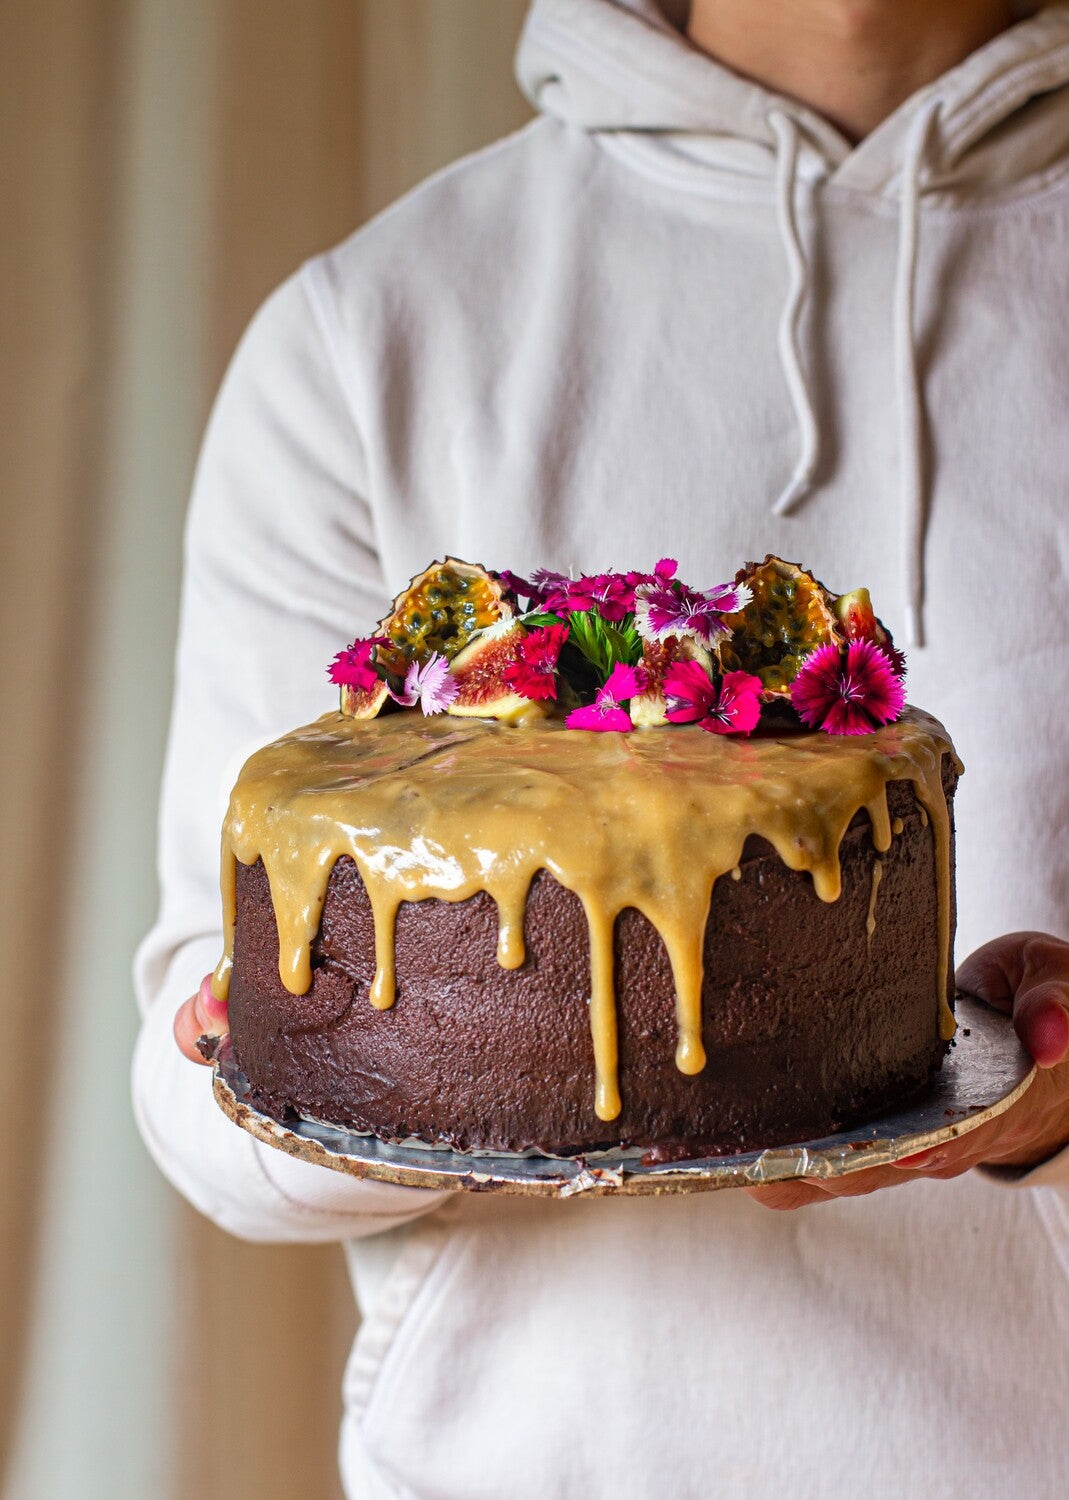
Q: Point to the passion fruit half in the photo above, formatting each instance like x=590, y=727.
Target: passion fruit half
x=442, y=609
x=789, y=615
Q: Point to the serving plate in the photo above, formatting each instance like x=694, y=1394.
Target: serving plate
x=986, y=1071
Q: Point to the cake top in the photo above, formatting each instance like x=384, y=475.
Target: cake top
x=620, y=651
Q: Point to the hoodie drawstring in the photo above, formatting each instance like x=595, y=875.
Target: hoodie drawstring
x=912, y=489
x=801, y=480
x=908, y=405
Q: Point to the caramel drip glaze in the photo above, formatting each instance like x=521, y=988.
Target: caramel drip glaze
x=429, y=808
x=877, y=876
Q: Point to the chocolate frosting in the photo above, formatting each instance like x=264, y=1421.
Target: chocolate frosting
x=815, y=1013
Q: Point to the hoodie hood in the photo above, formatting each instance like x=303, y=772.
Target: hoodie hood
x=994, y=125
x=626, y=66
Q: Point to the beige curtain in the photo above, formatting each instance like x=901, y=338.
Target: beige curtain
x=53, y=317
x=163, y=167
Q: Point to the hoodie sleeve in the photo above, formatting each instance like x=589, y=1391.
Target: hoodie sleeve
x=1052, y=1173
x=281, y=570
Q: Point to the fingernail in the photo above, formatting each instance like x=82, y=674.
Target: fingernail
x=920, y=1162
x=209, y=1006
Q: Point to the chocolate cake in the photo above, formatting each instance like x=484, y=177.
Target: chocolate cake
x=512, y=936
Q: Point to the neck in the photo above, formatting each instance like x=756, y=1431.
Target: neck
x=853, y=61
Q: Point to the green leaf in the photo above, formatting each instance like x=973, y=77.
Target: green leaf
x=604, y=644
x=538, y=620
x=624, y=641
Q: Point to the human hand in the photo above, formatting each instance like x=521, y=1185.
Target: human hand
x=201, y=1015
x=1026, y=975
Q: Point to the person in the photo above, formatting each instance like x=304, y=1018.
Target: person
x=780, y=278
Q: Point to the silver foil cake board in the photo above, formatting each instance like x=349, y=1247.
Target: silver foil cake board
x=986, y=1071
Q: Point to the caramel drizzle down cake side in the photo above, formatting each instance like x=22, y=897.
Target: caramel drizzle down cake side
x=435, y=807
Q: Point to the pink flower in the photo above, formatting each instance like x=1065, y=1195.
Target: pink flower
x=606, y=711
x=612, y=595
x=691, y=697
x=514, y=583
x=688, y=692
x=548, y=590
x=664, y=609
x=849, y=693
x=354, y=666
x=663, y=572
x=738, y=705
x=608, y=593
x=429, y=684
x=533, y=673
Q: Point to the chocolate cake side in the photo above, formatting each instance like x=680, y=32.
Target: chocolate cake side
x=810, y=1021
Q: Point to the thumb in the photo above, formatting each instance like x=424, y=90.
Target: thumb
x=1026, y=975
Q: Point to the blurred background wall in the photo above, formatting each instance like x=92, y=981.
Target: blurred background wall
x=162, y=167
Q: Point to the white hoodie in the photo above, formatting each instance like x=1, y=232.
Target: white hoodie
x=675, y=315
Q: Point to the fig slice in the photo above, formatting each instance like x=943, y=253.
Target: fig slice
x=479, y=673
x=860, y=622
x=790, y=614
x=364, y=703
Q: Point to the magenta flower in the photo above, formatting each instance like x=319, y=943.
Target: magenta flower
x=608, y=593
x=606, y=711
x=664, y=609
x=429, y=684
x=690, y=697
x=533, y=673
x=514, y=583
x=738, y=705
x=848, y=693
x=689, y=693
x=548, y=590
x=612, y=595
x=354, y=666
x=663, y=572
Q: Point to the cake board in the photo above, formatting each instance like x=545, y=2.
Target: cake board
x=986, y=1071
